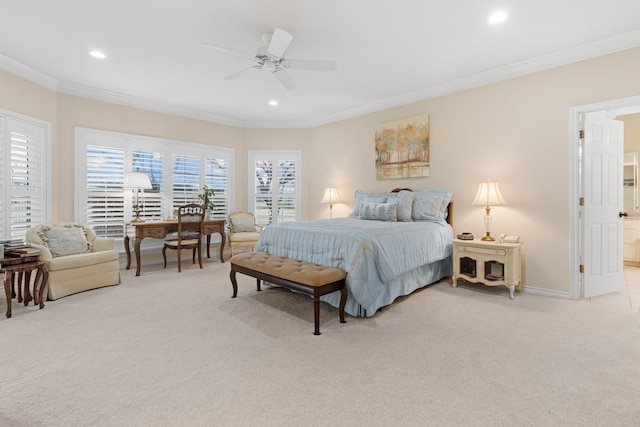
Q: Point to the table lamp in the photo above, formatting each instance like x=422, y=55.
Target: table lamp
x=138, y=182
x=330, y=197
x=488, y=195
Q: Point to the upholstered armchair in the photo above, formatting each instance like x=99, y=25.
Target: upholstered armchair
x=77, y=259
x=243, y=231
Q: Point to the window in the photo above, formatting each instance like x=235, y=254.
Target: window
x=274, y=185
x=24, y=174
x=177, y=171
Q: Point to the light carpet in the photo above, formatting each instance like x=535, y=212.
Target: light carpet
x=173, y=349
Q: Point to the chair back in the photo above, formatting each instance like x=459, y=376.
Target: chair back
x=190, y=221
x=242, y=222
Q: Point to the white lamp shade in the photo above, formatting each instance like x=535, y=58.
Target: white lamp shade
x=489, y=195
x=330, y=196
x=137, y=180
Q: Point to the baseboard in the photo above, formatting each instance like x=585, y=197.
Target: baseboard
x=546, y=292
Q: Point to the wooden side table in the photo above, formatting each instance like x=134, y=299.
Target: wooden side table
x=491, y=263
x=9, y=267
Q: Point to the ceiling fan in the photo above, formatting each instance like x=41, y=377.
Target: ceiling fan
x=271, y=57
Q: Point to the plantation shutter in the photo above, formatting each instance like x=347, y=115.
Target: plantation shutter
x=177, y=172
x=217, y=177
x=151, y=163
x=23, y=166
x=104, y=207
x=186, y=179
x=274, y=186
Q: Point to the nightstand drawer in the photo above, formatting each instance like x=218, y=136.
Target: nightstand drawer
x=483, y=251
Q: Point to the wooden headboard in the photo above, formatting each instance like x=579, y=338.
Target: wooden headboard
x=449, y=206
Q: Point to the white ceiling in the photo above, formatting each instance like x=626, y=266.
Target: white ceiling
x=388, y=52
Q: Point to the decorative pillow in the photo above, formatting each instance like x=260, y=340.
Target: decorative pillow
x=68, y=240
x=379, y=211
x=243, y=224
x=431, y=205
x=404, y=199
x=362, y=196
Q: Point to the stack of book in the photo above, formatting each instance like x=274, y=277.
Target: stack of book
x=23, y=250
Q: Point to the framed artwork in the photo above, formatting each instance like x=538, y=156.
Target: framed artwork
x=402, y=148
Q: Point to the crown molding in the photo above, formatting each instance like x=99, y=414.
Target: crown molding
x=145, y=104
x=563, y=57
x=579, y=53
x=28, y=73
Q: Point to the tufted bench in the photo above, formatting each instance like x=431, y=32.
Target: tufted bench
x=311, y=279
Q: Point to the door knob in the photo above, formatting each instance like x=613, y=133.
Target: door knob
x=621, y=214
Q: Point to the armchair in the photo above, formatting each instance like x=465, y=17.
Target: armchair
x=243, y=231
x=77, y=259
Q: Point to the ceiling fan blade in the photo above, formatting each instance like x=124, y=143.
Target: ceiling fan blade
x=284, y=78
x=227, y=51
x=280, y=41
x=310, y=64
x=240, y=73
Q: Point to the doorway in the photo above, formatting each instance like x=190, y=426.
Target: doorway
x=578, y=245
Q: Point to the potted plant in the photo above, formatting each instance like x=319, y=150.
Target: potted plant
x=206, y=197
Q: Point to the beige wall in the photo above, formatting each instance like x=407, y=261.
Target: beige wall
x=515, y=131
x=631, y=132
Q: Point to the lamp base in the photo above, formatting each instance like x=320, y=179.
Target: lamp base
x=488, y=238
x=137, y=220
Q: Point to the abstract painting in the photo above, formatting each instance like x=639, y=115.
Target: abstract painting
x=402, y=148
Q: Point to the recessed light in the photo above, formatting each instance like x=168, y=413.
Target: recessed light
x=498, y=17
x=97, y=54
x=273, y=102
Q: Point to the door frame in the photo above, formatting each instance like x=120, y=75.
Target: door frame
x=576, y=119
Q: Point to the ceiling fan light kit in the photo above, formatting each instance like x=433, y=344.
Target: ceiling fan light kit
x=271, y=57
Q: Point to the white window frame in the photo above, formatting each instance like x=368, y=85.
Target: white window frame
x=274, y=156
x=43, y=195
x=85, y=137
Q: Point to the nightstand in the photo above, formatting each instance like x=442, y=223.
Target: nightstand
x=491, y=263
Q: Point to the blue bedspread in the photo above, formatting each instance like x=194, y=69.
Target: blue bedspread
x=373, y=253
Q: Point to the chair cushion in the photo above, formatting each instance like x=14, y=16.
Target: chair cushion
x=244, y=237
x=174, y=243
x=62, y=241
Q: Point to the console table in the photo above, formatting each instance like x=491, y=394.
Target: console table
x=160, y=229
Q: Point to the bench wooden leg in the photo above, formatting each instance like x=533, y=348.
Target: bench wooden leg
x=232, y=276
x=343, y=302
x=316, y=314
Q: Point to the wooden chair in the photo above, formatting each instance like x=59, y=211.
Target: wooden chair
x=189, y=235
x=243, y=231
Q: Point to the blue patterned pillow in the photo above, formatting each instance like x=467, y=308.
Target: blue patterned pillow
x=431, y=205
x=379, y=211
x=68, y=240
x=404, y=199
x=363, y=196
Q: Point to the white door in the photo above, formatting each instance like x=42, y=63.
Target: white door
x=603, y=204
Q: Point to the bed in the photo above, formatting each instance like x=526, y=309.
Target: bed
x=390, y=245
